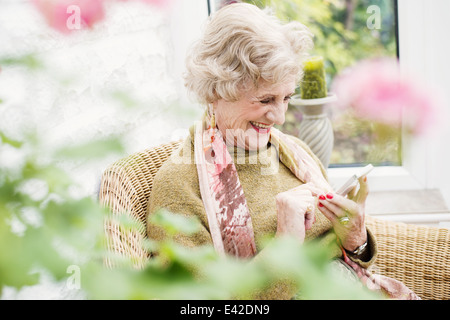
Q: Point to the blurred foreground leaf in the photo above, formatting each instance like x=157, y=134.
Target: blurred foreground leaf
x=7, y=140
x=178, y=272
x=92, y=149
x=42, y=225
x=57, y=232
x=173, y=224
x=28, y=60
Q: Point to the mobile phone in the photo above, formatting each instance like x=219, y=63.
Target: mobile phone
x=353, y=181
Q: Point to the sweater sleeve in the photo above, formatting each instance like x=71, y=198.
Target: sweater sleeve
x=175, y=188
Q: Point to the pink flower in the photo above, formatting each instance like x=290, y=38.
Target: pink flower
x=158, y=3
x=69, y=15
x=376, y=90
x=162, y=4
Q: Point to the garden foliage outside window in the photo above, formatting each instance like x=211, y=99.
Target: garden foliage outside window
x=346, y=31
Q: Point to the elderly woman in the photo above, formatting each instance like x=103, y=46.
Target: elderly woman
x=240, y=176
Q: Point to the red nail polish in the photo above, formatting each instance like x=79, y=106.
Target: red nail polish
x=329, y=196
x=322, y=197
x=320, y=205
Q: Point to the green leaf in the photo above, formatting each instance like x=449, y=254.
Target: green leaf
x=92, y=149
x=15, y=260
x=125, y=99
x=175, y=223
x=28, y=60
x=11, y=142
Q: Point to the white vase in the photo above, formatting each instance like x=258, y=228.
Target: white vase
x=316, y=129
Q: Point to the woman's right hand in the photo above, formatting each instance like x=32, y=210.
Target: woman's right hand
x=296, y=211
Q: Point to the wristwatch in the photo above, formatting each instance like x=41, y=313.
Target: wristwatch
x=360, y=249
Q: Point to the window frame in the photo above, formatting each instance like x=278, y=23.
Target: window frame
x=421, y=27
x=414, y=26
x=412, y=174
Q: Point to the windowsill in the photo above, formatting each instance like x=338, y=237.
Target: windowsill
x=422, y=207
x=396, y=195
x=380, y=179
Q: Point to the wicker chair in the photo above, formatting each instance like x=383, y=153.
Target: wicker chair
x=416, y=255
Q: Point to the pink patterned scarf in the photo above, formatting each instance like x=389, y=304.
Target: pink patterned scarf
x=226, y=208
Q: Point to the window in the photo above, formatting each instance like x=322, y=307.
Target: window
x=413, y=30
x=346, y=31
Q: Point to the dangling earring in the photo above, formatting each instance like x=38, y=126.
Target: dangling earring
x=213, y=126
x=213, y=121
x=213, y=132
x=212, y=117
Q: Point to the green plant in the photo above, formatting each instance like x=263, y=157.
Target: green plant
x=48, y=227
x=45, y=227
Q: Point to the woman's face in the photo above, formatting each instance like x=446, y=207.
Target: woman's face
x=246, y=123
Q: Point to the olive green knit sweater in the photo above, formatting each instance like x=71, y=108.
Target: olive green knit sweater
x=262, y=176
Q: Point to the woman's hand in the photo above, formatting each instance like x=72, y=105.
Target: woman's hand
x=295, y=211
x=347, y=215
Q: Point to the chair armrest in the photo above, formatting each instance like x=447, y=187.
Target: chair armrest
x=120, y=197
x=125, y=189
x=418, y=256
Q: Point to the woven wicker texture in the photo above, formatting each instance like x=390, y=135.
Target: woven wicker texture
x=125, y=189
x=416, y=255
x=419, y=256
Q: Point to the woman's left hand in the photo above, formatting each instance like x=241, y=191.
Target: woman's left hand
x=347, y=215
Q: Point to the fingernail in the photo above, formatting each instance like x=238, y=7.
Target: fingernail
x=320, y=205
x=322, y=197
x=329, y=196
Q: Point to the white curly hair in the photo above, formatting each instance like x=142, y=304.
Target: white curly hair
x=242, y=45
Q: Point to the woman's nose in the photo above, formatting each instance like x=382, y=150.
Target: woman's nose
x=276, y=114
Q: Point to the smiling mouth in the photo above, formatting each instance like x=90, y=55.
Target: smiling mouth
x=260, y=127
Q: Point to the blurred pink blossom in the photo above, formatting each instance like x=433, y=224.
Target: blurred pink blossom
x=69, y=15
x=158, y=3
x=162, y=4
x=377, y=90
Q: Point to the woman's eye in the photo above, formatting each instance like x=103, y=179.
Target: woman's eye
x=269, y=100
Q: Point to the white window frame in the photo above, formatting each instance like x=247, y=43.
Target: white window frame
x=417, y=38
x=419, y=32
x=412, y=174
